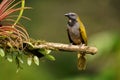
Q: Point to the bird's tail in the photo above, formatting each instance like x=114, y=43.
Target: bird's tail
x=81, y=61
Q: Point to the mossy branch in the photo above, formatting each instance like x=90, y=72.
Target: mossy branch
x=67, y=47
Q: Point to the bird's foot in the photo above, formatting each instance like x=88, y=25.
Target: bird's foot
x=82, y=46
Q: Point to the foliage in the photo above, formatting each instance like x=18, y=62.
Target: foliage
x=14, y=39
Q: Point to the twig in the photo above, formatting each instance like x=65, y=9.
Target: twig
x=67, y=47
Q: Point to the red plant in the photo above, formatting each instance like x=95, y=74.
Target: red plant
x=15, y=35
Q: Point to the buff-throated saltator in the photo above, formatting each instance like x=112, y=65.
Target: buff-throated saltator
x=77, y=36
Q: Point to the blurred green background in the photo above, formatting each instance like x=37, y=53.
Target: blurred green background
x=102, y=21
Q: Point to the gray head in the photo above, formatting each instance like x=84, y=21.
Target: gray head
x=71, y=15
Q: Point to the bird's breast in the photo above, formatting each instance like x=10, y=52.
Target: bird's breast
x=74, y=33
x=75, y=30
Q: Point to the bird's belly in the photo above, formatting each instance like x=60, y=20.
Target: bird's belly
x=75, y=37
x=77, y=41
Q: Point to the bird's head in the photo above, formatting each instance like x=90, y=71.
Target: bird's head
x=71, y=15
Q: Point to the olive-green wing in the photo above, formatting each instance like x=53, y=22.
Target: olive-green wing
x=83, y=32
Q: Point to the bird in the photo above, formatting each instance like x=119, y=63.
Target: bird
x=77, y=36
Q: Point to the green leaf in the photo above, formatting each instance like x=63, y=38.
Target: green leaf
x=18, y=69
x=20, y=59
x=50, y=57
x=9, y=58
x=17, y=62
x=21, y=12
x=2, y=53
x=36, y=60
x=48, y=51
x=29, y=61
x=44, y=51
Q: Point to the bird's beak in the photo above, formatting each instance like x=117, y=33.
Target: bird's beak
x=66, y=15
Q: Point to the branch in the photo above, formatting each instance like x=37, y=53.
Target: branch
x=67, y=47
